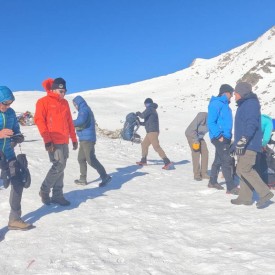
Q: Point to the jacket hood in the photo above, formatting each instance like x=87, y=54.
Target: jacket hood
x=153, y=105
x=222, y=98
x=79, y=100
x=6, y=94
x=47, y=84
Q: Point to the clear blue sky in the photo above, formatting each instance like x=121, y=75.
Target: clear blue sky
x=101, y=43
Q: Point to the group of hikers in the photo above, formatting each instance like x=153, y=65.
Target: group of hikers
x=252, y=132
x=54, y=121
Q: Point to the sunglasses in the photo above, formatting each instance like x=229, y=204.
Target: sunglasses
x=62, y=91
x=7, y=103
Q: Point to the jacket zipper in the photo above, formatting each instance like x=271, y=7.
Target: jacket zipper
x=4, y=125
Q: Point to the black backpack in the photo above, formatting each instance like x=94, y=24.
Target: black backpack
x=22, y=173
x=15, y=171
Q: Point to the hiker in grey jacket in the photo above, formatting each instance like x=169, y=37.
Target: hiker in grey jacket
x=151, y=123
x=195, y=133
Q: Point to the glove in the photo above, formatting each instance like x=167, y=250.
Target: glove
x=240, y=147
x=232, y=152
x=75, y=145
x=49, y=147
x=18, y=138
x=138, y=113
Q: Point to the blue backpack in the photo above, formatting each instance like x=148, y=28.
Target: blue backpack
x=130, y=127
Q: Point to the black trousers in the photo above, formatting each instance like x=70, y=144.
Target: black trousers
x=224, y=161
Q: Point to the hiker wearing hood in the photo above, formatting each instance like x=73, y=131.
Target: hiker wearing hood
x=9, y=127
x=248, y=141
x=86, y=132
x=151, y=123
x=55, y=124
x=219, y=123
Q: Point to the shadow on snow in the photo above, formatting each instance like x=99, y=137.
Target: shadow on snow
x=76, y=197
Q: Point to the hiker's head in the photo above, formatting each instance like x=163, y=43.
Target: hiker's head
x=227, y=90
x=148, y=101
x=6, y=98
x=59, y=86
x=242, y=89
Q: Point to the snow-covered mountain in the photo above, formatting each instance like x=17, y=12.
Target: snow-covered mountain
x=147, y=220
x=253, y=62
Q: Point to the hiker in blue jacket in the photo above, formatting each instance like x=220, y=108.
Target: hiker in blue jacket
x=247, y=142
x=220, y=122
x=9, y=127
x=86, y=132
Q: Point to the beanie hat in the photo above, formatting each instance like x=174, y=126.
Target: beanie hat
x=243, y=88
x=148, y=101
x=6, y=94
x=59, y=83
x=225, y=88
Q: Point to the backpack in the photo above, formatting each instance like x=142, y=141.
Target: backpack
x=24, y=173
x=130, y=127
x=17, y=172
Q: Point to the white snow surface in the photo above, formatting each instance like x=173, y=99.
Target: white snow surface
x=147, y=220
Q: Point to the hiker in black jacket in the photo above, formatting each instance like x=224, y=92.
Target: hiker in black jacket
x=151, y=123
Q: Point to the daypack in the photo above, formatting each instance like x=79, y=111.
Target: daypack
x=23, y=173
x=130, y=127
x=15, y=171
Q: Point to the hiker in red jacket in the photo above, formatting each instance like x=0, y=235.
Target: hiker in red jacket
x=54, y=121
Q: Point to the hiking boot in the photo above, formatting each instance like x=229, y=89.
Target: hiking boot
x=169, y=166
x=105, y=181
x=80, y=182
x=143, y=161
x=198, y=178
x=19, y=225
x=61, y=201
x=215, y=185
x=205, y=177
x=241, y=202
x=45, y=197
x=233, y=191
x=262, y=201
